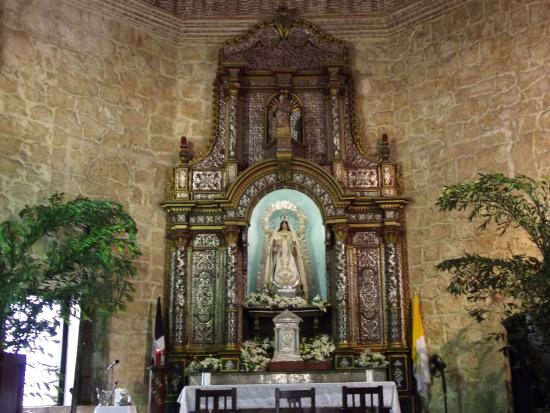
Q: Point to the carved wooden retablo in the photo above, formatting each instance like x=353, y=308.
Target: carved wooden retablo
x=284, y=122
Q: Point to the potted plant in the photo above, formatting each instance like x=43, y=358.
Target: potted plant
x=69, y=253
x=516, y=286
x=317, y=352
x=374, y=364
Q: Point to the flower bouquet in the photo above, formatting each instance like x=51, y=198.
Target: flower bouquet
x=371, y=360
x=317, y=352
x=374, y=365
x=282, y=302
x=274, y=301
x=207, y=364
x=319, y=348
x=254, y=354
x=321, y=304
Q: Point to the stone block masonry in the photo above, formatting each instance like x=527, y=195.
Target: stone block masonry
x=91, y=105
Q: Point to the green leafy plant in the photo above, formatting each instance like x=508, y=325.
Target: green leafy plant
x=77, y=252
x=520, y=283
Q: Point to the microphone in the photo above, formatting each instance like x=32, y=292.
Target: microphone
x=112, y=391
x=113, y=364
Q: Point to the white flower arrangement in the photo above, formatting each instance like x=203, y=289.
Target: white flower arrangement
x=206, y=364
x=369, y=359
x=320, y=303
x=254, y=354
x=319, y=348
x=279, y=301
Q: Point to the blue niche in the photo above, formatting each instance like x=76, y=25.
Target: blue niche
x=293, y=204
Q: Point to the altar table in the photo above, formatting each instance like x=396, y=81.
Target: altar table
x=262, y=396
x=115, y=409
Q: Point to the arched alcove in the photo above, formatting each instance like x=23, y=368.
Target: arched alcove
x=297, y=206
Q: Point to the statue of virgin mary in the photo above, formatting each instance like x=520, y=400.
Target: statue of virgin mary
x=284, y=267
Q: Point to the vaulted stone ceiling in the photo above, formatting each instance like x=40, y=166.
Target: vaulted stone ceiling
x=212, y=21
x=241, y=8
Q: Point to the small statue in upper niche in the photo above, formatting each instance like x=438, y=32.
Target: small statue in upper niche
x=282, y=112
x=284, y=116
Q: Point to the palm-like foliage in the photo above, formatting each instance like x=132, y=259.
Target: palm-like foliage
x=521, y=283
x=75, y=252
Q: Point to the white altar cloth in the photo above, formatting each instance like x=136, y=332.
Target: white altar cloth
x=262, y=396
x=115, y=409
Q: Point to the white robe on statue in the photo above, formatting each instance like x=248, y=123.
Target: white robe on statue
x=284, y=266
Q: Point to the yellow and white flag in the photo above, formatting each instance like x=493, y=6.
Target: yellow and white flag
x=421, y=367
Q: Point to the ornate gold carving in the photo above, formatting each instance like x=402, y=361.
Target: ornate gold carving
x=388, y=175
x=231, y=233
x=340, y=232
x=181, y=238
x=217, y=100
x=383, y=147
x=184, y=154
x=212, y=197
x=391, y=236
x=284, y=173
x=283, y=21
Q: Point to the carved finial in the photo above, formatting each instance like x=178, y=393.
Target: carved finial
x=383, y=147
x=283, y=21
x=184, y=153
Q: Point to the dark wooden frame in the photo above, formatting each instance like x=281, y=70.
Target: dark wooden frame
x=363, y=392
x=294, y=398
x=216, y=395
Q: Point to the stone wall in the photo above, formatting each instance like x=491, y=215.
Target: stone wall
x=463, y=94
x=91, y=106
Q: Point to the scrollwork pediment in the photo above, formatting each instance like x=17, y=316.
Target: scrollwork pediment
x=286, y=42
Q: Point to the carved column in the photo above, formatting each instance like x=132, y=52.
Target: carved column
x=392, y=259
x=231, y=308
x=231, y=104
x=341, y=302
x=334, y=87
x=178, y=288
x=181, y=172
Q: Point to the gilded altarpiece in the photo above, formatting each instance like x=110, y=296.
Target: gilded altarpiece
x=283, y=118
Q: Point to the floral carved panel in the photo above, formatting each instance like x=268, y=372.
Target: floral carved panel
x=204, y=295
x=369, y=287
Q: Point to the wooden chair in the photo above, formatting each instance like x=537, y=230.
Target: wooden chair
x=363, y=399
x=216, y=396
x=294, y=399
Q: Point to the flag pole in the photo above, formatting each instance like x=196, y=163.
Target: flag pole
x=419, y=351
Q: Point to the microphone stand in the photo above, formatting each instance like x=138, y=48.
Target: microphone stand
x=112, y=374
x=437, y=369
x=108, y=381
x=112, y=390
x=444, y=386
